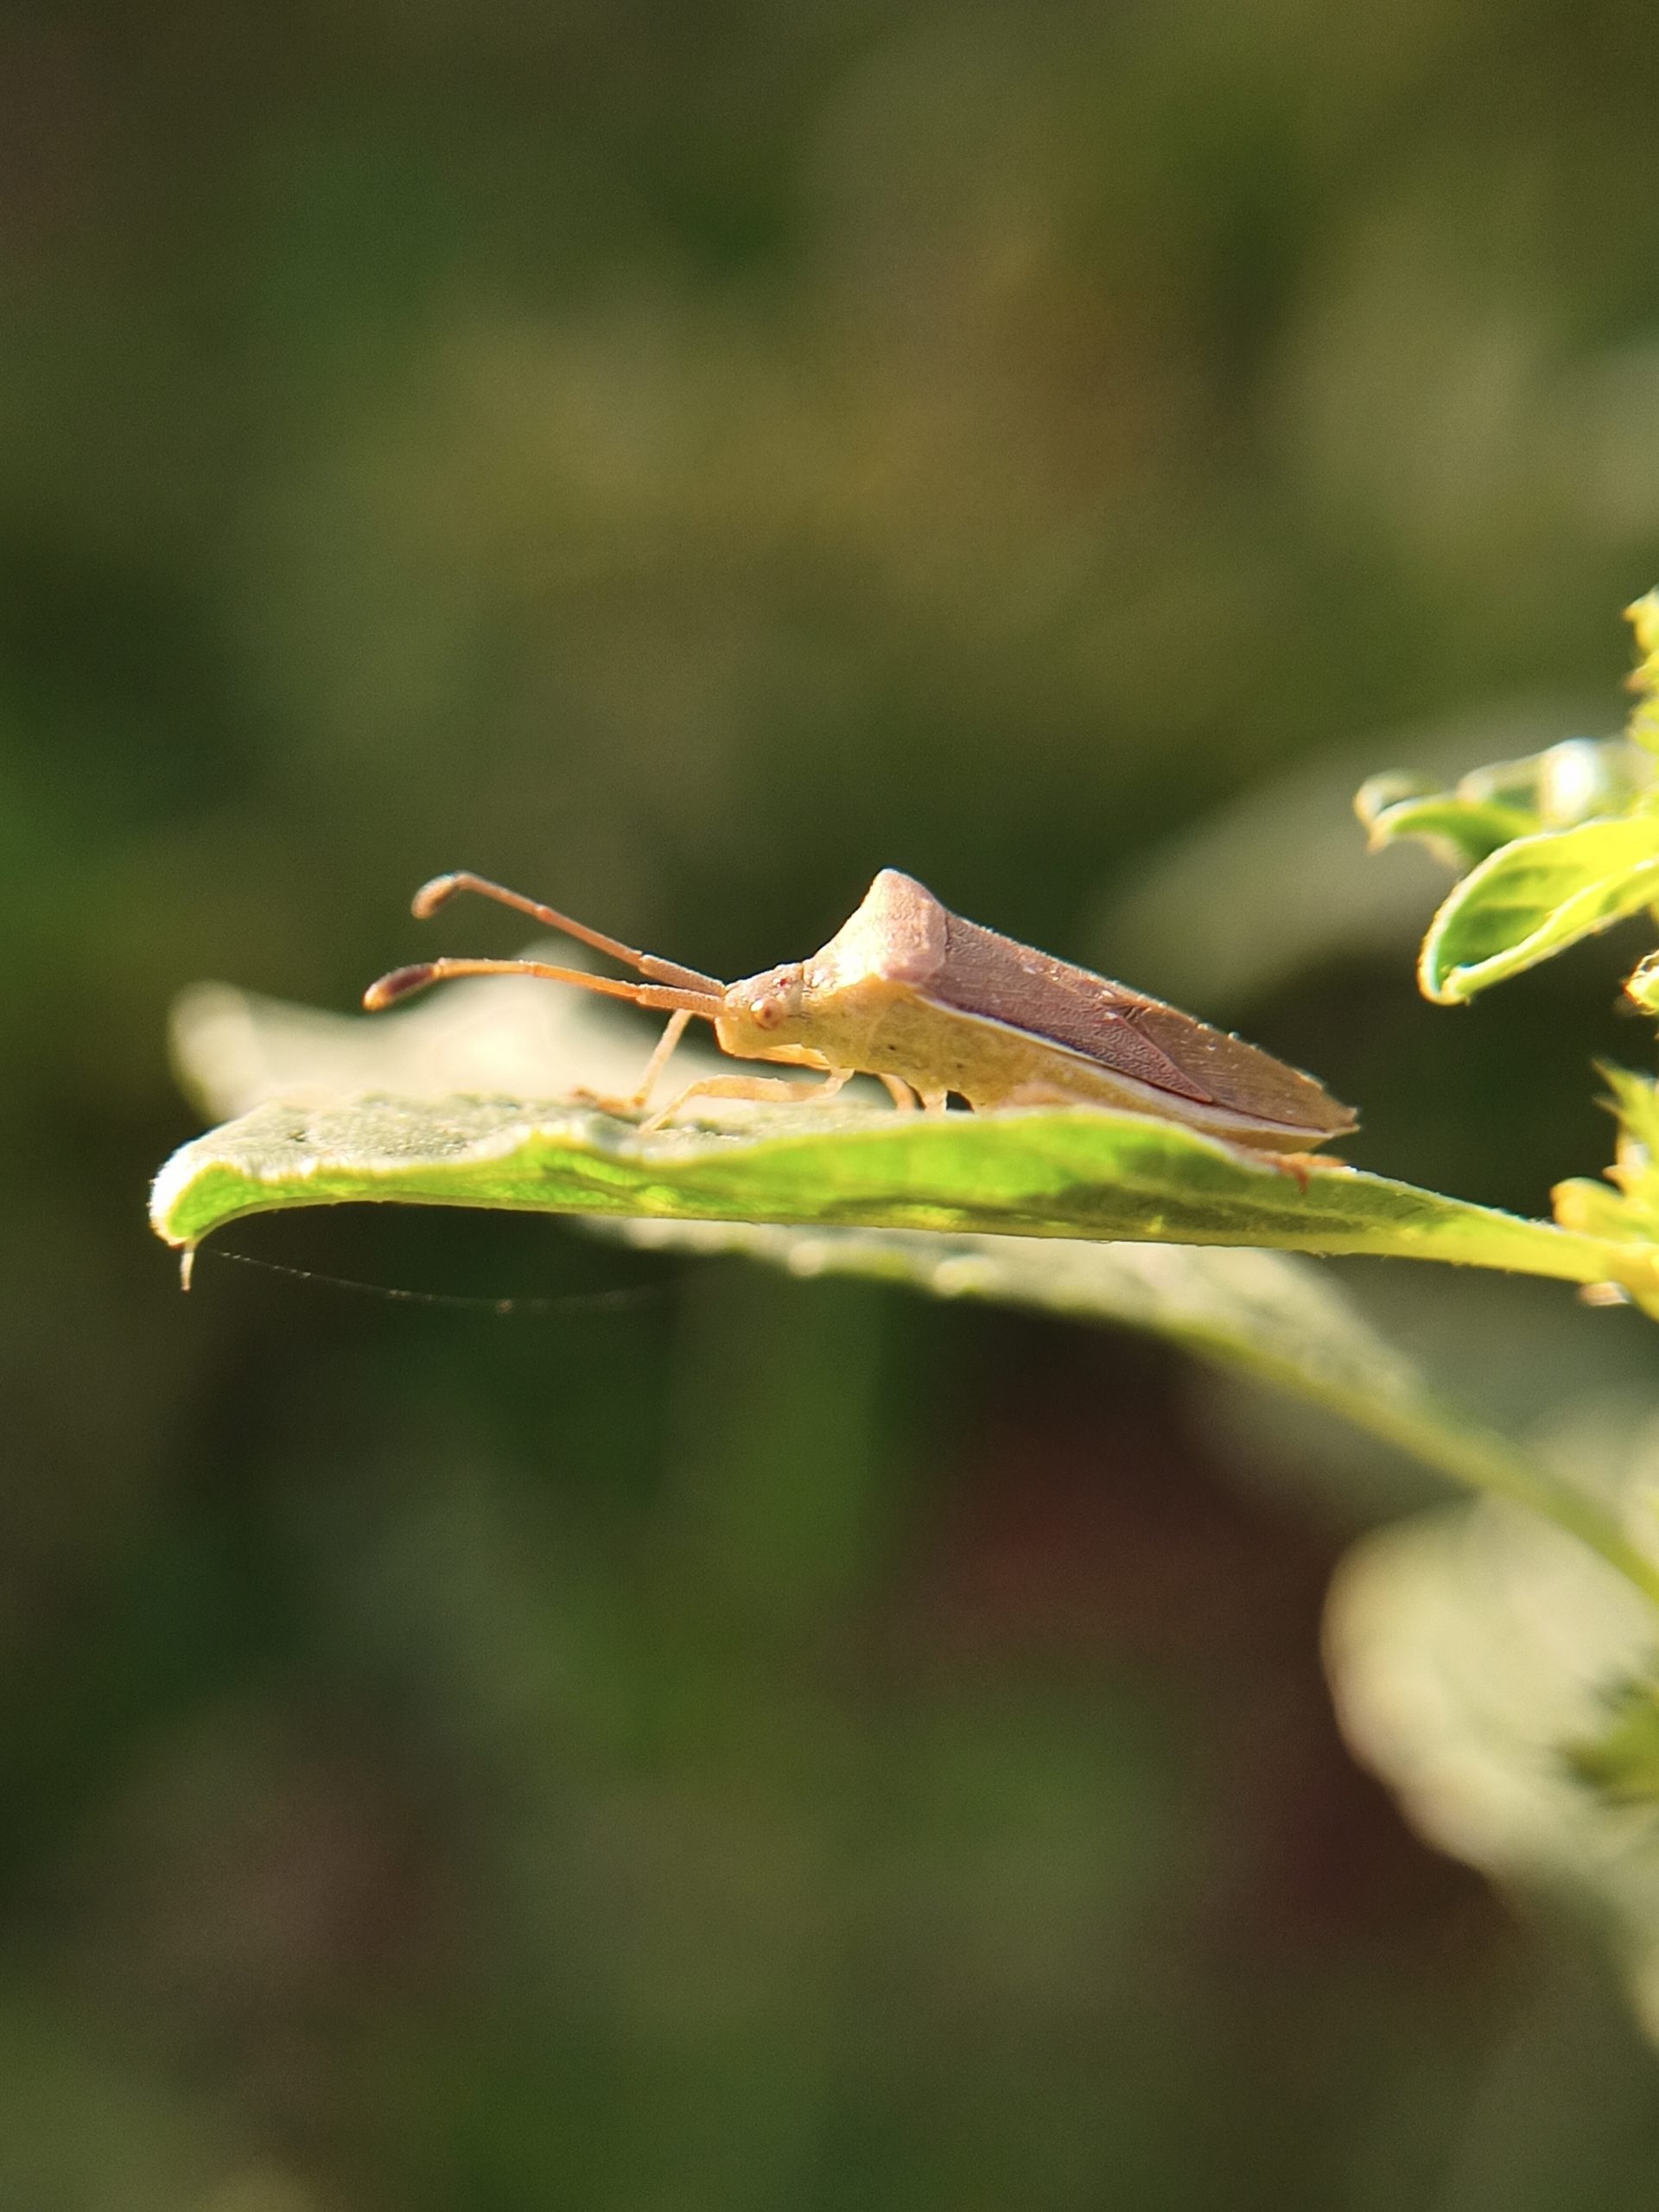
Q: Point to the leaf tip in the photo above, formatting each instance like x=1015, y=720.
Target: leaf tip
x=1379, y=796
x=1441, y=986
x=166, y=1192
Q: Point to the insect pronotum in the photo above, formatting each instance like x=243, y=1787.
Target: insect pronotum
x=935, y=1007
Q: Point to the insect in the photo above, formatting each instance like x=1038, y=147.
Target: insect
x=935, y=1007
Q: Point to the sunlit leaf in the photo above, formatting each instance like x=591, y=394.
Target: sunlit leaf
x=1579, y=780
x=1534, y=898
x=1274, y=1316
x=1558, y=845
x=1643, y=984
x=1460, y=831
x=1082, y=1173
x=1631, y=1210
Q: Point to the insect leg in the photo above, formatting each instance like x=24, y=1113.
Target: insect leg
x=1296, y=1164
x=659, y=1060
x=900, y=1093
x=933, y=1102
x=758, y=1087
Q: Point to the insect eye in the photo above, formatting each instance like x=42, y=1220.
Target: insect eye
x=767, y=1012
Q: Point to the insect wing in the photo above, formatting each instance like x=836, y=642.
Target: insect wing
x=997, y=979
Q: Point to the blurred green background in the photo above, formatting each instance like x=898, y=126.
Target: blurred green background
x=764, y=1744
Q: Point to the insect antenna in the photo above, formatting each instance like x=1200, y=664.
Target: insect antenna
x=663, y=997
x=442, y=888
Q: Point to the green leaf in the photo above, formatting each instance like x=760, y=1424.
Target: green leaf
x=1078, y=1173
x=1581, y=780
x=1054, y=1178
x=1533, y=897
x=1458, y=829
x=1630, y=1210
x=1558, y=845
x=1275, y=1316
x=1642, y=985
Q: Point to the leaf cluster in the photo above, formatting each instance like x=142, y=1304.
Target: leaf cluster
x=1551, y=849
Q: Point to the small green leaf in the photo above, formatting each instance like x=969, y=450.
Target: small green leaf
x=1078, y=1173
x=1642, y=985
x=1589, y=1209
x=1581, y=780
x=1632, y=1209
x=1460, y=831
x=1535, y=897
x=1558, y=845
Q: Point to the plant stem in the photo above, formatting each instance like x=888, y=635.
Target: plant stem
x=1478, y=1459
